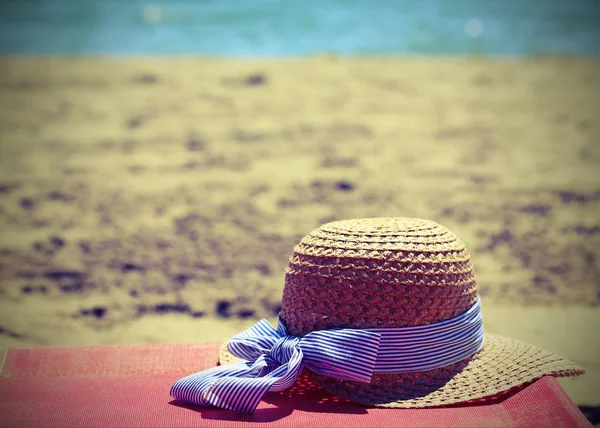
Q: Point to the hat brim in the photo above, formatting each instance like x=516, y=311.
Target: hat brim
x=502, y=365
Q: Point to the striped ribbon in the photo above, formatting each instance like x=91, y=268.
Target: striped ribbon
x=274, y=359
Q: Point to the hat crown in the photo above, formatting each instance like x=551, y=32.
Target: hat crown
x=377, y=272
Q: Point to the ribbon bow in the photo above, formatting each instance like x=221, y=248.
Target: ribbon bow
x=274, y=361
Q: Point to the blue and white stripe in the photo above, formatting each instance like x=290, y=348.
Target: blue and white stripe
x=274, y=359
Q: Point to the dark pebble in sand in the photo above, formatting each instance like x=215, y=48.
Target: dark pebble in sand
x=146, y=78
x=482, y=80
x=57, y=241
x=478, y=179
x=222, y=308
x=98, y=312
x=589, y=258
x=84, y=246
x=543, y=283
x=27, y=203
x=245, y=313
x=568, y=197
x=7, y=188
x=30, y=289
x=190, y=165
x=338, y=162
x=447, y=212
x=135, y=122
x=560, y=269
x=524, y=257
x=344, y=186
x=58, y=275
x=195, y=144
x=256, y=79
x=182, y=278
x=162, y=245
x=163, y=308
x=587, y=231
x=68, y=281
x=263, y=269
x=26, y=274
x=537, y=209
x=166, y=308
x=317, y=185
x=56, y=195
x=75, y=287
x=497, y=239
x=130, y=267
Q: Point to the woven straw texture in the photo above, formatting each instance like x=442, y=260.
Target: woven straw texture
x=395, y=272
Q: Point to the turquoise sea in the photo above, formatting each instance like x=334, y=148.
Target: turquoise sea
x=291, y=28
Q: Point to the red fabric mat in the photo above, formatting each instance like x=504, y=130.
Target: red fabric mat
x=128, y=386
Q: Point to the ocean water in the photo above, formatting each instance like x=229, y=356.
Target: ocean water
x=291, y=28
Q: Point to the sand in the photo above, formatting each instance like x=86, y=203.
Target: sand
x=158, y=200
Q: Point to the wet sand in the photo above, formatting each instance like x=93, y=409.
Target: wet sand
x=158, y=200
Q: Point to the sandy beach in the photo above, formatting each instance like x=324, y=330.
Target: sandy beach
x=158, y=200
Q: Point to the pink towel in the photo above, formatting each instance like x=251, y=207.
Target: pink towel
x=128, y=386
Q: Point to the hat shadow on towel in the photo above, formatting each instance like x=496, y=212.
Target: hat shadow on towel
x=306, y=396
x=303, y=396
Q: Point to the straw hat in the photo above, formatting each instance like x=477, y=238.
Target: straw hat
x=399, y=272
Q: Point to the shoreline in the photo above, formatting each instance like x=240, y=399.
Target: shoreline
x=313, y=56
